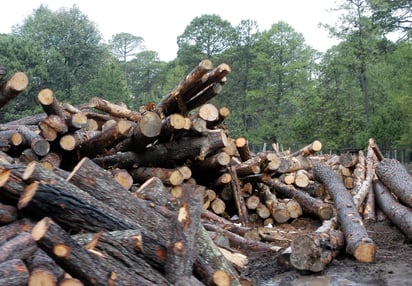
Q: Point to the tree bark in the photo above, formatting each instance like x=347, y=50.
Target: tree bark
x=358, y=242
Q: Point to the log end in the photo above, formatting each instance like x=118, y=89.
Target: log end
x=365, y=251
x=306, y=254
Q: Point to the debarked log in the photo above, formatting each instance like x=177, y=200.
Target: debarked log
x=358, y=242
x=399, y=214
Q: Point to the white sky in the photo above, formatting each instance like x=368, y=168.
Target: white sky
x=160, y=22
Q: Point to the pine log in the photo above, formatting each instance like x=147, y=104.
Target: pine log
x=43, y=269
x=310, y=149
x=75, y=259
x=154, y=190
x=50, y=103
x=12, y=87
x=168, y=176
x=21, y=247
x=123, y=248
x=243, y=149
x=400, y=215
x=74, y=140
x=146, y=131
x=174, y=102
x=278, y=210
x=369, y=211
x=396, y=178
x=114, y=109
x=8, y=213
x=358, y=242
x=39, y=145
x=313, y=251
x=13, y=273
x=204, y=96
x=309, y=205
x=181, y=250
x=167, y=154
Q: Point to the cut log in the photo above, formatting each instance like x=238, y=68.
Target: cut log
x=8, y=213
x=13, y=273
x=310, y=149
x=399, y=214
x=50, y=103
x=313, y=251
x=243, y=149
x=12, y=87
x=43, y=269
x=309, y=205
x=21, y=247
x=358, y=242
x=114, y=109
x=181, y=250
x=171, y=177
x=75, y=259
x=396, y=178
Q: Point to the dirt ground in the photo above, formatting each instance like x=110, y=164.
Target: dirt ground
x=392, y=266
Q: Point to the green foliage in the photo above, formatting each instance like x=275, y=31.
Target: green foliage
x=72, y=45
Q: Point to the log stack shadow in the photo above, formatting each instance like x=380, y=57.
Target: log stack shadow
x=99, y=194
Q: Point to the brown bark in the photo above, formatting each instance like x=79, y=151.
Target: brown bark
x=13, y=273
x=39, y=145
x=8, y=213
x=314, y=251
x=396, y=178
x=399, y=214
x=239, y=200
x=309, y=205
x=168, y=176
x=358, y=242
x=12, y=87
x=243, y=149
x=310, y=149
x=43, y=269
x=168, y=153
x=20, y=246
x=175, y=102
x=75, y=259
x=181, y=250
x=114, y=109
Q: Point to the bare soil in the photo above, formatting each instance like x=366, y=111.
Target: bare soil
x=392, y=266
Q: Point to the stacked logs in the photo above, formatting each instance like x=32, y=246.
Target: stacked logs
x=99, y=194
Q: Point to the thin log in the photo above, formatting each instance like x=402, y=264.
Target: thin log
x=399, y=214
x=114, y=109
x=239, y=200
x=243, y=149
x=310, y=149
x=358, y=242
x=21, y=247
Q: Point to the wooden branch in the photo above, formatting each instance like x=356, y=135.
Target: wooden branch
x=358, y=242
x=114, y=109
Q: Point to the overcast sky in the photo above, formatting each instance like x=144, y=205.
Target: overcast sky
x=159, y=22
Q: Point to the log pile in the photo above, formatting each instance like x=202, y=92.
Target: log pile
x=99, y=194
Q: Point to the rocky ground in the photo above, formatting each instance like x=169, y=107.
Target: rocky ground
x=392, y=266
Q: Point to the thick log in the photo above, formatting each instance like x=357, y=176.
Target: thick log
x=50, y=103
x=39, y=145
x=123, y=248
x=12, y=87
x=167, y=154
x=400, y=215
x=314, y=251
x=309, y=205
x=358, y=242
x=146, y=131
x=13, y=273
x=75, y=259
x=396, y=178
x=242, y=146
x=181, y=250
x=204, y=96
x=21, y=247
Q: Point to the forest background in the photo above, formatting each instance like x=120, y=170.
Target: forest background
x=280, y=90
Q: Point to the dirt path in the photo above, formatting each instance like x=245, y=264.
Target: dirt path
x=392, y=267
